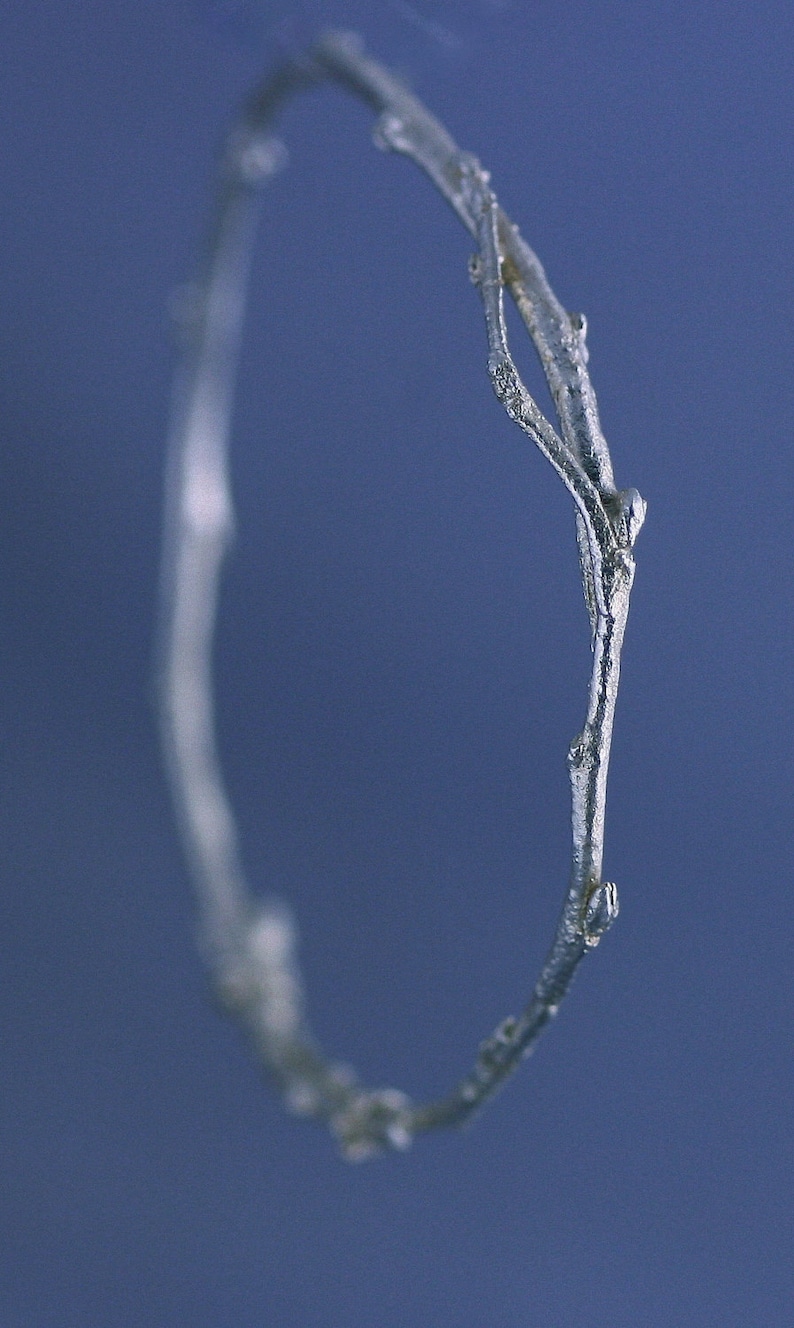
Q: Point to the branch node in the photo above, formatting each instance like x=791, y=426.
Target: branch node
x=389, y=134
x=496, y=1049
x=602, y=908
x=630, y=517
x=577, y=753
x=253, y=157
x=579, y=324
x=372, y=1122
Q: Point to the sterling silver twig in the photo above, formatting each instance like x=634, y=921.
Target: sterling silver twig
x=250, y=944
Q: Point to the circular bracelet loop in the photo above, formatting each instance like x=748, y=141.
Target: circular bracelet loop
x=250, y=945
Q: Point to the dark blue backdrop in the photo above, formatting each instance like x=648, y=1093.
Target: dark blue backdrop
x=402, y=660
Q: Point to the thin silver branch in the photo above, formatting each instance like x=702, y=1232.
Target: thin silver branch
x=250, y=944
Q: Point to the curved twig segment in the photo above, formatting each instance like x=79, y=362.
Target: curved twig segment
x=249, y=944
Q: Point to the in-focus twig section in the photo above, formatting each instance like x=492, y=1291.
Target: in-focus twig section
x=250, y=944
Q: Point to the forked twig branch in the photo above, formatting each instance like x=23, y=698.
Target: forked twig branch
x=250, y=944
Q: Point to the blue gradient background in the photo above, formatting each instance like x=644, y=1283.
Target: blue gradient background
x=402, y=663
